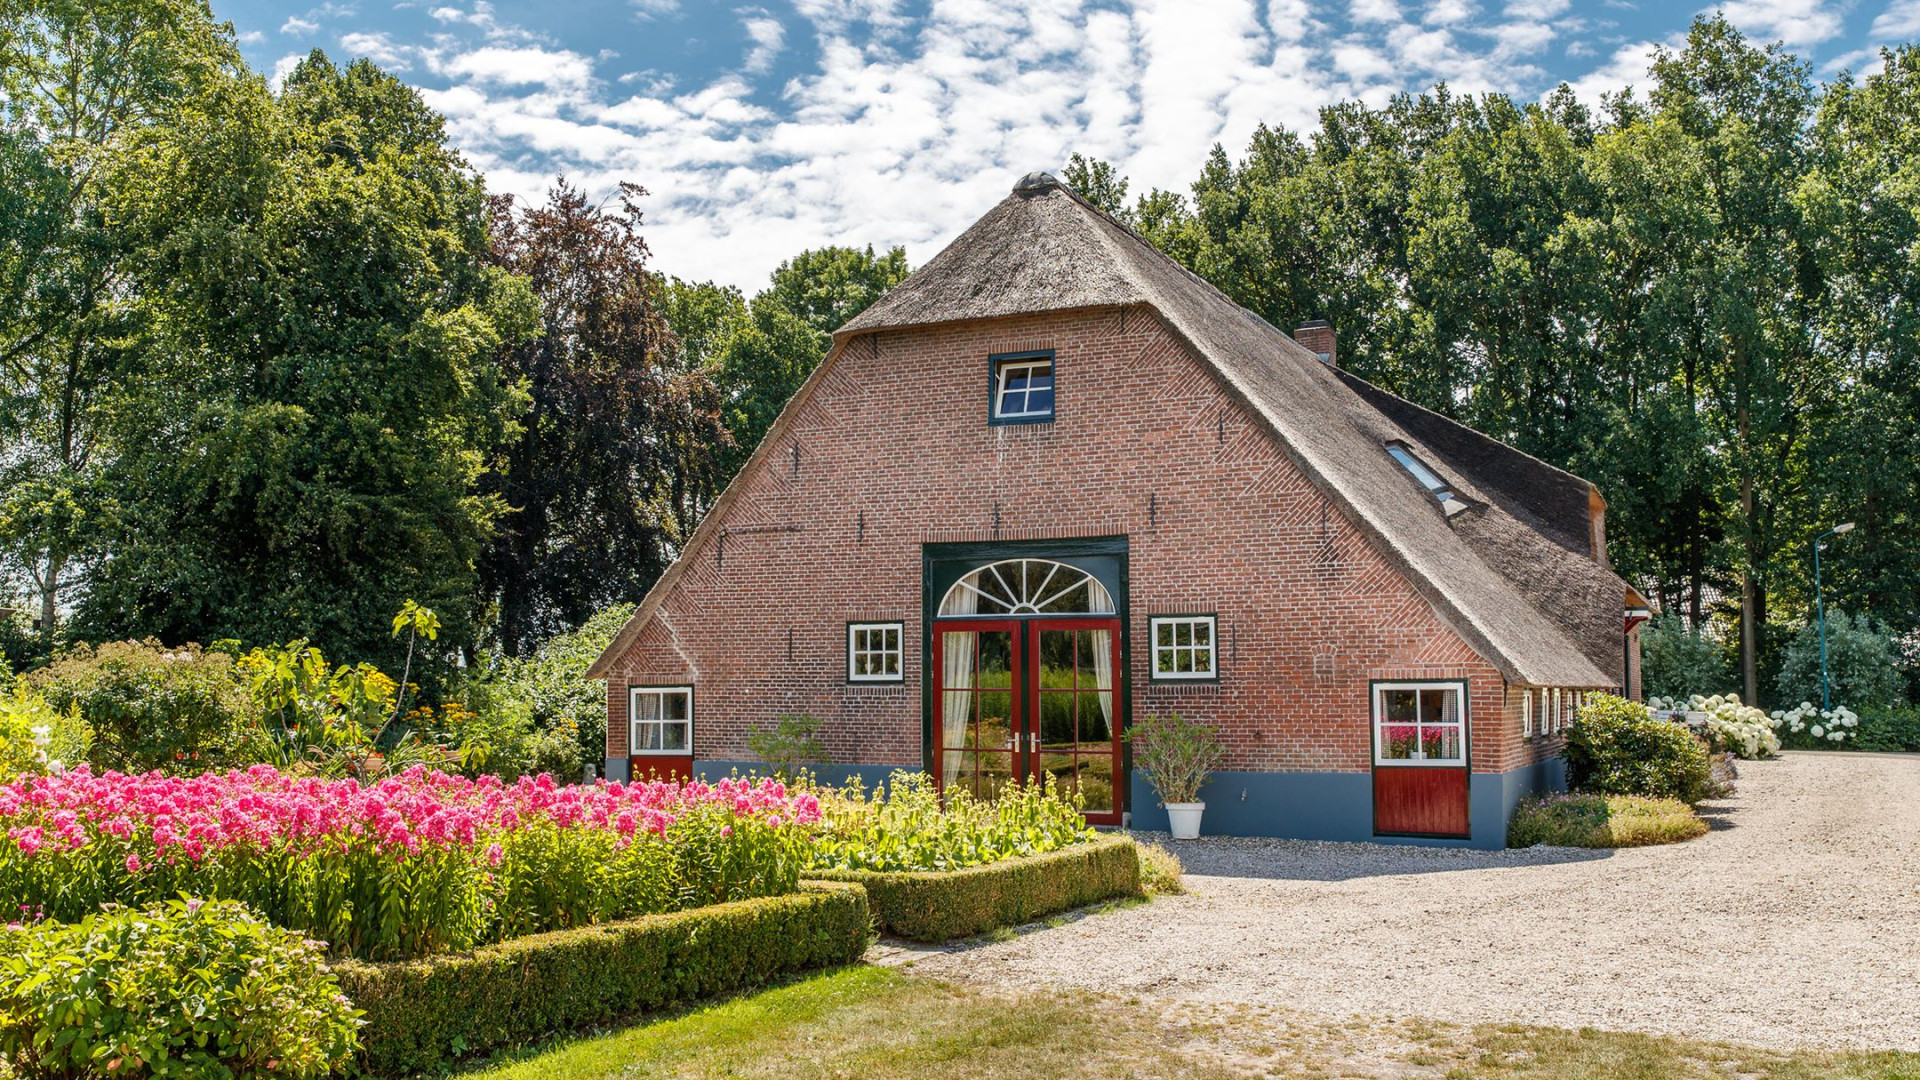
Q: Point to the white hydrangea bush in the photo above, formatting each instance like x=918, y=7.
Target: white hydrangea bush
x=1835, y=725
x=1730, y=724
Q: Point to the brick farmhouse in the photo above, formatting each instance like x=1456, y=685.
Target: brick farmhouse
x=1053, y=482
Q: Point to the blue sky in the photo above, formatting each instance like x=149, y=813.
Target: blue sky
x=765, y=128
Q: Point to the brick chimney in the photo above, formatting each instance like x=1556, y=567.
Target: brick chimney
x=1317, y=336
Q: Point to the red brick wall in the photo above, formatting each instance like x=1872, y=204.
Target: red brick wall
x=1308, y=611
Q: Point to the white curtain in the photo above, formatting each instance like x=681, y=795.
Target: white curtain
x=956, y=682
x=1103, y=673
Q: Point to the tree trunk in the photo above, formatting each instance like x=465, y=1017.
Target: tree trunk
x=50, y=594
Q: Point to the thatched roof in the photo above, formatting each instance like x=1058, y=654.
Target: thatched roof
x=1506, y=581
x=1043, y=248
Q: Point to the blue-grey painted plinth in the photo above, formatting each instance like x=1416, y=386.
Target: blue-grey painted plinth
x=1339, y=806
x=617, y=770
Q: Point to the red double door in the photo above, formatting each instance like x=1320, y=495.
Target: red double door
x=1016, y=700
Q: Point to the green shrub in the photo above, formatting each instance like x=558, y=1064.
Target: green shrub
x=1616, y=747
x=952, y=904
x=547, y=693
x=152, y=707
x=1676, y=662
x=422, y=1013
x=1175, y=754
x=793, y=741
x=35, y=737
x=185, y=989
x=908, y=826
x=1160, y=870
x=1602, y=821
x=1862, y=665
x=1886, y=729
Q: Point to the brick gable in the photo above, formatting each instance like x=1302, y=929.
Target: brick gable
x=891, y=449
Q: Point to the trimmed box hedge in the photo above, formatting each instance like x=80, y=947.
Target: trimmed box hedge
x=943, y=905
x=424, y=1013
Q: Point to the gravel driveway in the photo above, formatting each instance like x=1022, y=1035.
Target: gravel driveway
x=1795, y=923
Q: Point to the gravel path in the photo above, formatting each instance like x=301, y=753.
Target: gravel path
x=1795, y=923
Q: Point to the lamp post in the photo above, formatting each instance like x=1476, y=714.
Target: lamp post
x=1820, y=604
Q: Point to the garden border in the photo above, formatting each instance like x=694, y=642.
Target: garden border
x=947, y=904
x=423, y=1013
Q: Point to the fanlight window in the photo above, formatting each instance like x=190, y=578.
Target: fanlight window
x=1027, y=587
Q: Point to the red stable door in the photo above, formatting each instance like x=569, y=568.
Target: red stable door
x=1420, y=774
x=1019, y=699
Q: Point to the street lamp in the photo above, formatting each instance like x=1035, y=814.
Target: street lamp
x=1820, y=603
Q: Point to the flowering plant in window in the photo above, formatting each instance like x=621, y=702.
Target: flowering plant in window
x=415, y=864
x=1729, y=725
x=1821, y=726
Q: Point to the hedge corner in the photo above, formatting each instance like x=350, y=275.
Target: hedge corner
x=421, y=1014
x=943, y=905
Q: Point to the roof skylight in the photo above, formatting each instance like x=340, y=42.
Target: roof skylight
x=1429, y=479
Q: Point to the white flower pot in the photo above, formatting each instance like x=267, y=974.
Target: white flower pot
x=1183, y=819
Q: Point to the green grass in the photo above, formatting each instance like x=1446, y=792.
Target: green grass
x=1602, y=821
x=869, y=1022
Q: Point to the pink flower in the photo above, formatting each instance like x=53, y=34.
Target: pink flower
x=494, y=854
x=133, y=864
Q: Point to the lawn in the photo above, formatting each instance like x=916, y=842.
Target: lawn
x=884, y=1023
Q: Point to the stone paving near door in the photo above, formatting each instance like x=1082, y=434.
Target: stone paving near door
x=1795, y=923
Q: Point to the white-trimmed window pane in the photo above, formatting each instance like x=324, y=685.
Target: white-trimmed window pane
x=661, y=720
x=1183, y=647
x=874, y=652
x=1023, y=389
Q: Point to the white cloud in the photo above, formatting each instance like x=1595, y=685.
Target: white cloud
x=768, y=37
x=1795, y=22
x=283, y=67
x=1899, y=22
x=503, y=66
x=297, y=25
x=378, y=48
x=250, y=37
x=903, y=130
x=1629, y=66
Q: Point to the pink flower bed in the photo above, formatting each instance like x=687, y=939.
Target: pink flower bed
x=409, y=866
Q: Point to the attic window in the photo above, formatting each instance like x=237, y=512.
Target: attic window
x=1022, y=388
x=1429, y=479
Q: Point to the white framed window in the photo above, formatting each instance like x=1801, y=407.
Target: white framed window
x=1185, y=646
x=1526, y=714
x=874, y=652
x=659, y=720
x=1420, y=723
x=1022, y=388
x=1559, y=713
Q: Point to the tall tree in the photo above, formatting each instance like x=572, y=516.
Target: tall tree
x=81, y=86
x=615, y=458
x=316, y=380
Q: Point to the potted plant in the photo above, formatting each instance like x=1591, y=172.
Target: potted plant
x=1178, y=756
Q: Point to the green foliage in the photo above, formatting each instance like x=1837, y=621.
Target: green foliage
x=200, y=991
x=1862, y=667
x=313, y=390
x=909, y=826
x=538, y=703
x=614, y=461
x=793, y=741
x=1176, y=755
x=153, y=707
x=421, y=1014
x=1888, y=729
x=1602, y=821
x=760, y=352
x=1160, y=870
x=1678, y=663
x=1616, y=747
x=35, y=737
x=943, y=905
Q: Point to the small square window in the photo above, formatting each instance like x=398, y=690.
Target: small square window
x=1185, y=647
x=1023, y=388
x=874, y=652
x=661, y=720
